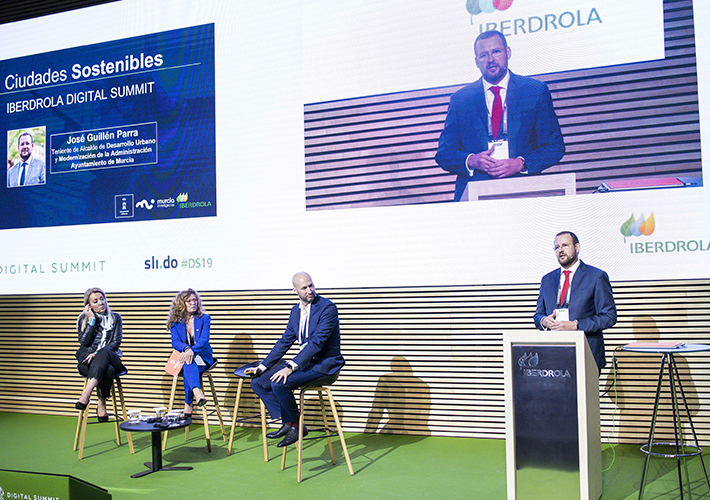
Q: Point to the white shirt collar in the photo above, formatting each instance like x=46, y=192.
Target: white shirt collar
x=574, y=268
x=503, y=83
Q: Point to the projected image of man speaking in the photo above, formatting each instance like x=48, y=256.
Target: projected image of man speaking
x=502, y=125
x=29, y=169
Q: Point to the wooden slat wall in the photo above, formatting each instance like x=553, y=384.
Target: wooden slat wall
x=421, y=360
x=634, y=120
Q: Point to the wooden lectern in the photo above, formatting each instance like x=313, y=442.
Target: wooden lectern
x=553, y=445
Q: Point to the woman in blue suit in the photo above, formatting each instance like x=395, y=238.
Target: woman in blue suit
x=190, y=334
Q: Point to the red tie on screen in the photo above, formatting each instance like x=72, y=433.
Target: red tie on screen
x=565, y=287
x=497, y=111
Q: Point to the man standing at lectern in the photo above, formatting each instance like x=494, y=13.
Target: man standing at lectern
x=501, y=125
x=576, y=297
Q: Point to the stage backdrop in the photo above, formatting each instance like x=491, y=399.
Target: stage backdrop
x=204, y=107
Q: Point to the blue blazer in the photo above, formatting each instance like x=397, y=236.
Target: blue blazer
x=591, y=304
x=533, y=129
x=178, y=336
x=322, y=351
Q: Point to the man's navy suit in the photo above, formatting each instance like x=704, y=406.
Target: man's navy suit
x=591, y=304
x=533, y=129
x=319, y=357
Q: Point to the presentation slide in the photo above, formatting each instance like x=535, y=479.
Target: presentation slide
x=317, y=125
x=118, y=131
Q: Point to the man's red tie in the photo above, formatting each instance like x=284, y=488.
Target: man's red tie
x=565, y=287
x=497, y=111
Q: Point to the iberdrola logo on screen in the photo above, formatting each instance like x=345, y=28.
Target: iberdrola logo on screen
x=645, y=226
x=475, y=7
x=638, y=227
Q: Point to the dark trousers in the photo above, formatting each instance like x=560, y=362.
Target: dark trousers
x=278, y=397
x=104, y=367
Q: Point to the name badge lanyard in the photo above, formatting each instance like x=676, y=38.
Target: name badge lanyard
x=559, y=293
x=504, y=133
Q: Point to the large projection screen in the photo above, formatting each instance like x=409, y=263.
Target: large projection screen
x=172, y=138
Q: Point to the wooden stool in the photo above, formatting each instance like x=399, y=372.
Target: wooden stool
x=328, y=432
x=80, y=435
x=204, y=409
x=239, y=372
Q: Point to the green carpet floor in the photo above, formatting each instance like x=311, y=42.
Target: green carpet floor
x=386, y=466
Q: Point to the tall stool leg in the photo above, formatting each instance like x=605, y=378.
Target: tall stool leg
x=235, y=415
x=84, y=418
x=115, y=413
x=204, y=414
x=207, y=429
x=78, y=421
x=325, y=424
x=123, y=410
x=170, y=407
x=262, y=410
x=216, y=406
x=239, y=372
x=340, y=430
x=326, y=428
x=301, y=424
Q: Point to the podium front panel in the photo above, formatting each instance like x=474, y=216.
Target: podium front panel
x=546, y=421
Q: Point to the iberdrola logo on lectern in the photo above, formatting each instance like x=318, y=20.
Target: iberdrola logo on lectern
x=528, y=360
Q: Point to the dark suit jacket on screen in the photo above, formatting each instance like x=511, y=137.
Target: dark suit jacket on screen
x=591, y=304
x=322, y=351
x=533, y=130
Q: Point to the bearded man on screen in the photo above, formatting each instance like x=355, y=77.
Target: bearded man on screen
x=502, y=125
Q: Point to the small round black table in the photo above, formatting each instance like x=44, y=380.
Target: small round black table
x=683, y=448
x=156, y=445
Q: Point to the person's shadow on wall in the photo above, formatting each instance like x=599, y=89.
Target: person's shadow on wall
x=633, y=390
x=404, y=398
x=400, y=407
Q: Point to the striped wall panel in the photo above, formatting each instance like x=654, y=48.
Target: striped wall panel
x=28, y=9
x=420, y=360
x=630, y=121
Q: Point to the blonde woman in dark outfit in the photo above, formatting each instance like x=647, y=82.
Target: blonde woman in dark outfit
x=100, y=334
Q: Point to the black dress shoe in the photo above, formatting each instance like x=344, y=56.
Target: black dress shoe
x=202, y=402
x=291, y=437
x=80, y=406
x=279, y=433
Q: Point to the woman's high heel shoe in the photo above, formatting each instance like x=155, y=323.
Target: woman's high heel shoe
x=80, y=406
x=102, y=418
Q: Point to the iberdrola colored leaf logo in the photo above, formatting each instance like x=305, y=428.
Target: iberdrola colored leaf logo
x=638, y=227
x=475, y=7
x=626, y=227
